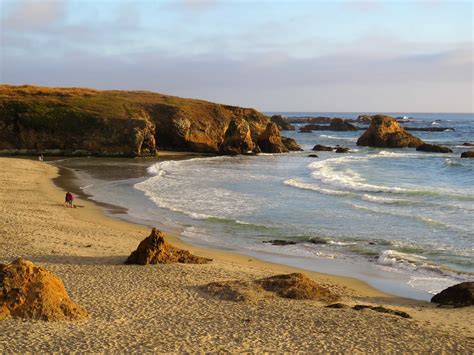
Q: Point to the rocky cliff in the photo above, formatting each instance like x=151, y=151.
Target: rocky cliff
x=75, y=121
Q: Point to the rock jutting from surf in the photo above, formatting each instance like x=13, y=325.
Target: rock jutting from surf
x=385, y=132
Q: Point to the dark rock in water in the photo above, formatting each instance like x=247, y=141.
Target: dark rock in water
x=237, y=139
x=270, y=141
x=317, y=240
x=306, y=129
x=429, y=129
x=460, y=295
x=467, y=144
x=385, y=132
x=336, y=124
x=322, y=148
x=154, y=250
x=312, y=156
x=280, y=242
x=365, y=119
x=282, y=123
x=318, y=119
x=291, y=144
x=339, y=124
x=433, y=148
x=342, y=150
x=468, y=154
x=381, y=309
x=297, y=286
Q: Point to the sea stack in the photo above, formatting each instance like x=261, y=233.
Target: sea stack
x=385, y=132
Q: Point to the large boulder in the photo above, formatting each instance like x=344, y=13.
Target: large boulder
x=468, y=154
x=270, y=141
x=238, y=138
x=460, y=295
x=385, y=132
x=154, y=250
x=433, y=148
x=282, y=123
x=30, y=291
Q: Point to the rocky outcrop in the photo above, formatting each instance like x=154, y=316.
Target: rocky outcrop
x=238, y=139
x=322, y=148
x=270, y=141
x=154, y=250
x=73, y=121
x=468, y=154
x=467, y=144
x=294, y=286
x=433, y=148
x=282, y=123
x=32, y=292
x=460, y=295
x=336, y=124
x=364, y=119
x=385, y=132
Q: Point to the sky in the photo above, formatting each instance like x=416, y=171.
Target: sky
x=273, y=55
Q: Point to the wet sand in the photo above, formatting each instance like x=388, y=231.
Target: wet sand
x=160, y=308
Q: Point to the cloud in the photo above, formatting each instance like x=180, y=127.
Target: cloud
x=28, y=14
x=270, y=81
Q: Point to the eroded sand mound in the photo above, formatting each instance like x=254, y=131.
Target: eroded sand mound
x=239, y=291
x=29, y=291
x=295, y=286
x=154, y=250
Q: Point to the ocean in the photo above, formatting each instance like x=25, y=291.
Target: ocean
x=399, y=219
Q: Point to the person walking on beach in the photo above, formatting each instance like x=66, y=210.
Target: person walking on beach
x=69, y=199
x=41, y=158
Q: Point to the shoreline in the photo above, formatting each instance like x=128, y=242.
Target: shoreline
x=130, y=305
x=65, y=180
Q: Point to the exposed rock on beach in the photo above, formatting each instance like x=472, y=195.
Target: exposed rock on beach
x=460, y=295
x=154, y=250
x=32, y=292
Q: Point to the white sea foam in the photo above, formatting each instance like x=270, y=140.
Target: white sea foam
x=326, y=171
x=385, y=200
x=313, y=187
x=329, y=137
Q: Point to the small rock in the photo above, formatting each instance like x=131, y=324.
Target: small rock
x=433, y=148
x=468, y=154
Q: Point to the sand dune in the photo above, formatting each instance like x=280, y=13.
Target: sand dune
x=161, y=308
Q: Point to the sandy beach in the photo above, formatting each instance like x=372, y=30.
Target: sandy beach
x=161, y=308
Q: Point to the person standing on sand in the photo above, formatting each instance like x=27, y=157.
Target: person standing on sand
x=41, y=158
x=69, y=199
